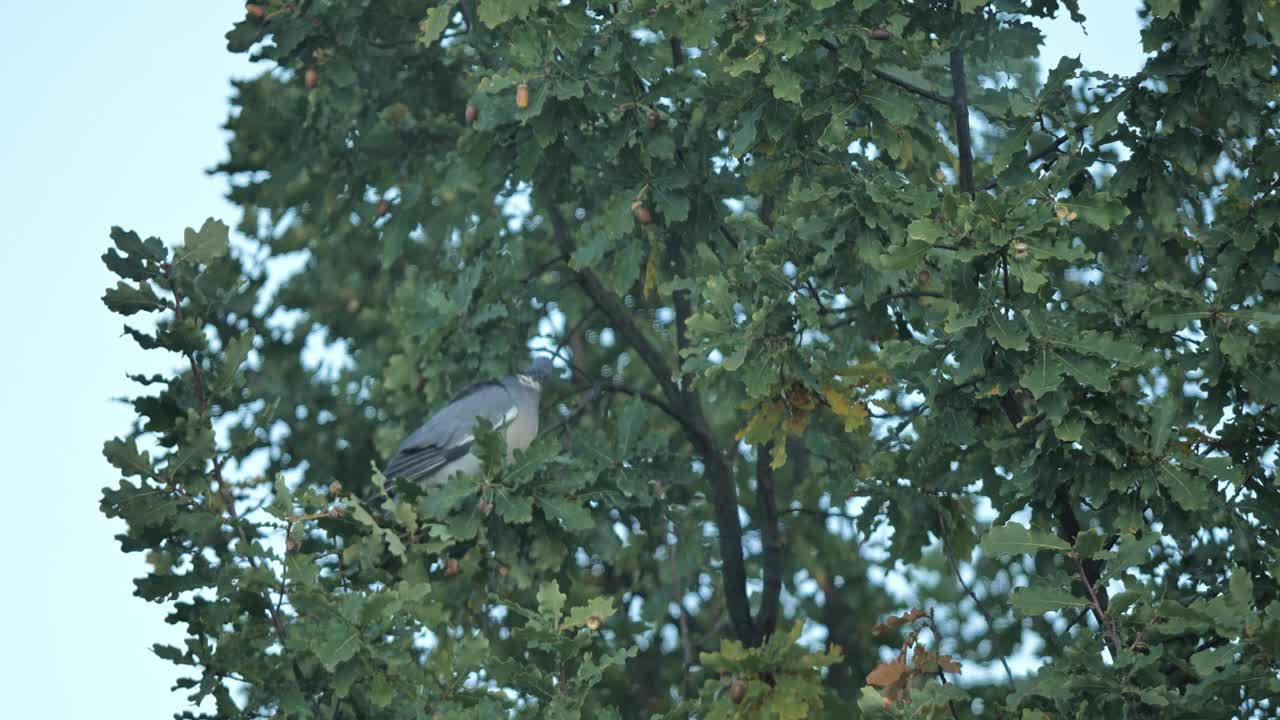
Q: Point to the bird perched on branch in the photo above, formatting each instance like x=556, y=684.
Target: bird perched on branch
x=443, y=445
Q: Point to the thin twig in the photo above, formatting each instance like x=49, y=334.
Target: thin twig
x=677, y=581
x=955, y=569
x=820, y=513
x=1103, y=622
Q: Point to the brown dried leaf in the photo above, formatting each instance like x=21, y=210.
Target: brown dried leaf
x=887, y=673
x=949, y=664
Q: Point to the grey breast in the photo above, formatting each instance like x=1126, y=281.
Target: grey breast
x=525, y=391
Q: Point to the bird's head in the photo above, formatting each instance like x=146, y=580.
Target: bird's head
x=541, y=369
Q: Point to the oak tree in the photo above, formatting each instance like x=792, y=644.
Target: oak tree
x=897, y=382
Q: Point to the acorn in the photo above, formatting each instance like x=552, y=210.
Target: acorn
x=593, y=622
x=652, y=119
x=255, y=11
x=484, y=506
x=384, y=207
x=311, y=78
x=522, y=95
x=880, y=34
x=472, y=114
x=451, y=567
x=643, y=216
x=761, y=37
x=503, y=569
x=922, y=277
x=737, y=692
x=335, y=488
x=1020, y=250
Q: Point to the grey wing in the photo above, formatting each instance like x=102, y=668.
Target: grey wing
x=447, y=435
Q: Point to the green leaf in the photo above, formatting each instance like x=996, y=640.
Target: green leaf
x=1089, y=543
x=125, y=456
x=1009, y=332
x=126, y=299
x=1099, y=209
x=337, y=647
x=1163, y=411
x=551, y=602
x=513, y=508
x=837, y=134
x=381, y=692
x=1107, y=119
x=575, y=517
x=926, y=230
x=749, y=64
x=1070, y=429
x=1188, y=492
x=1063, y=72
x=1031, y=279
x=437, y=20
x=233, y=356
x=1044, y=375
x=205, y=245
x=597, y=610
x=497, y=12
x=1037, y=600
x=1132, y=552
x=903, y=257
x=785, y=82
x=443, y=498
x=1206, y=662
x=744, y=137
x=1014, y=539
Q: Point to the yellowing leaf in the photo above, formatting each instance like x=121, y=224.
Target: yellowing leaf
x=650, y=276
x=854, y=414
x=796, y=422
x=839, y=405
x=779, y=454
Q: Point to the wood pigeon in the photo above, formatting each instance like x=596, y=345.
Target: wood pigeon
x=442, y=446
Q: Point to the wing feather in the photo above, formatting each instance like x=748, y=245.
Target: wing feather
x=447, y=435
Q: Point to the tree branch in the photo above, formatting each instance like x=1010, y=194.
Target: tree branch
x=653, y=400
x=687, y=407
x=1050, y=149
x=960, y=112
x=911, y=87
x=771, y=561
x=224, y=491
x=892, y=79
x=616, y=311
x=684, y=308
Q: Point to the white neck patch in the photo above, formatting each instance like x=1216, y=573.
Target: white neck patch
x=529, y=382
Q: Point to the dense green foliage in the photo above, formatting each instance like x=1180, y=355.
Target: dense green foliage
x=845, y=288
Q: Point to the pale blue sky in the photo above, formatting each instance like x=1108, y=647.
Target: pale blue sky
x=113, y=113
